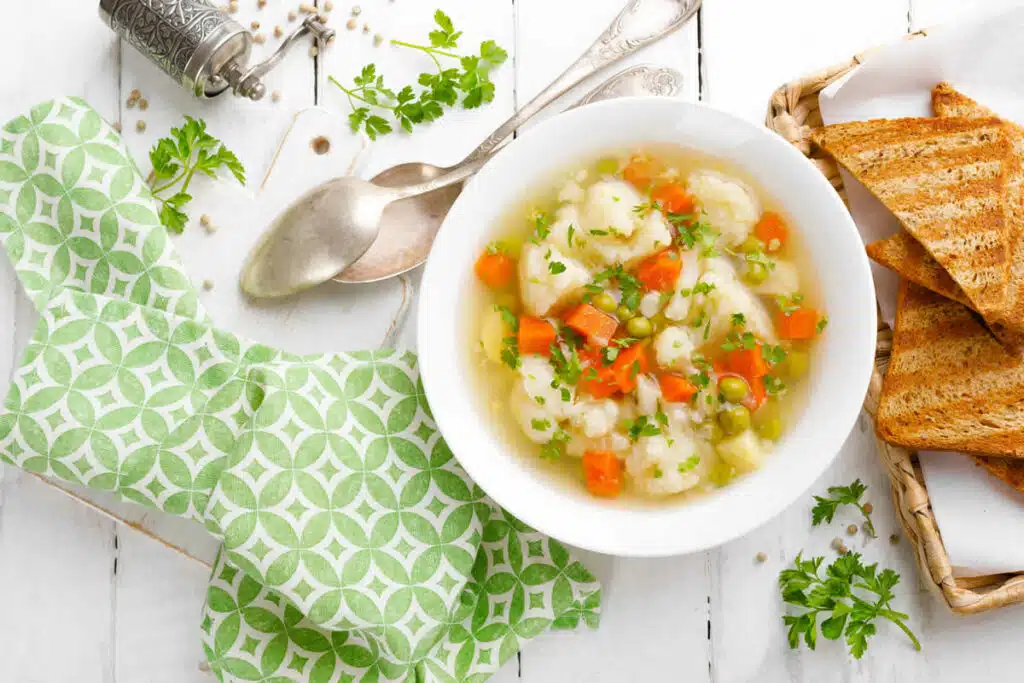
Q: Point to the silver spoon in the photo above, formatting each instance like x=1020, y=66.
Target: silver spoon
x=408, y=226
x=333, y=225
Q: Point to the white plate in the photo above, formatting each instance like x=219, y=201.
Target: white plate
x=838, y=380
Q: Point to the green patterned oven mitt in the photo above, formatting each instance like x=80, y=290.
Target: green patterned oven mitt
x=354, y=546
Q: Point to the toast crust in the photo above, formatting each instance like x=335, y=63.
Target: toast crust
x=945, y=180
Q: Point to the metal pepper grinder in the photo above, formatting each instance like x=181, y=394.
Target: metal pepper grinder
x=200, y=46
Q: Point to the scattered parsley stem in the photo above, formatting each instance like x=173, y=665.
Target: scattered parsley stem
x=177, y=158
x=410, y=106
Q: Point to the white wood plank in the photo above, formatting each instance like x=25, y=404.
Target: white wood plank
x=551, y=35
x=158, y=604
x=751, y=47
x=56, y=558
x=930, y=13
x=654, y=626
x=56, y=587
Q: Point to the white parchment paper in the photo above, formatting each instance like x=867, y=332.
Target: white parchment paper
x=980, y=517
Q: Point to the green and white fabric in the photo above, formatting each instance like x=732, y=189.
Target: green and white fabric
x=354, y=546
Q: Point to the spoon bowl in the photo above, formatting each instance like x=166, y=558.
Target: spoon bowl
x=407, y=227
x=333, y=224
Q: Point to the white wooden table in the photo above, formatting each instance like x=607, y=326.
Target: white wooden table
x=86, y=600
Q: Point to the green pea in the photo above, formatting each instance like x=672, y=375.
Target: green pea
x=751, y=244
x=605, y=302
x=770, y=429
x=733, y=389
x=639, y=327
x=797, y=363
x=734, y=420
x=717, y=433
x=607, y=166
x=624, y=313
x=756, y=273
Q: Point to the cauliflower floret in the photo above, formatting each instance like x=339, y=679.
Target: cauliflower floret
x=650, y=304
x=533, y=418
x=729, y=205
x=782, y=280
x=538, y=375
x=615, y=442
x=648, y=395
x=665, y=464
x=609, y=208
x=595, y=418
x=674, y=348
x=730, y=296
x=679, y=305
x=651, y=235
x=745, y=451
x=571, y=193
x=567, y=219
x=541, y=289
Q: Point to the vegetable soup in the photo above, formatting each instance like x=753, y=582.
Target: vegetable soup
x=645, y=323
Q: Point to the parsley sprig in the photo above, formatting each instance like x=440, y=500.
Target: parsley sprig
x=825, y=508
x=177, y=158
x=369, y=97
x=851, y=597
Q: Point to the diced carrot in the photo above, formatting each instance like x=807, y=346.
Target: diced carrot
x=771, y=230
x=660, y=272
x=603, y=473
x=673, y=198
x=639, y=172
x=597, y=379
x=676, y=389
x=757, y=395
x=799, y=324
x=495, y=269
x=719, y=366
x=597, y=326
x=628, y=365
x=748, y=363
x=536, y=335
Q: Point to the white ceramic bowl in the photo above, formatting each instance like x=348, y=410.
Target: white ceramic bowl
x=839, y=377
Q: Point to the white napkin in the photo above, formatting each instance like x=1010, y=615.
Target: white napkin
x=980, y=517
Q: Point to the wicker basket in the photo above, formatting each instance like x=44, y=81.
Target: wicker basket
x=793, y=113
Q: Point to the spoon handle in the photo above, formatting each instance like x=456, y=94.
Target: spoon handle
x=639, y=24
x=638, y=80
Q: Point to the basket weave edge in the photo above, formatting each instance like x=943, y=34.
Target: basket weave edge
x=793, y=113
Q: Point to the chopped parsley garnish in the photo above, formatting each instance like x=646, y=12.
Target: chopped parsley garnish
x=609, y=354
x=599, y=233
x=657, y=473
x=541, y=227
x=757, y=256
x=564, y=393
x=510, y=353
x=822, y=324
x=556, y=267
x=641, y=426
x=660, y=416
x=630, y=287
x=738, y=319
x=540, y=425
x=735, y=341
x=645, y=209
x=788, y=304
x=699, y=288
x=773, y=354
x=555, y=449
x=773, y=385
x=567, y=368
x=508, y=317
x=496, y=248
x=697, y=235
x=688, y=465
x=571, y=232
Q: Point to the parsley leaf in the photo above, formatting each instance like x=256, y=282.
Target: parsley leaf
x=846, y=601
x=554, y=450
x=688, y=465
x=629, y=285
x=773, y=385
x=409, y=107
x=641, y=426
x=738, y=320
x=822, y=323
x=556, y=267
x=825, y=508
x=567, y=368
x=735, y=341
x=789, y=304
x=773, y=355
x=176, y=159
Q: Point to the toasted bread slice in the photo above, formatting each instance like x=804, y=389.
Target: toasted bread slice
x=945, y=181
x=950, y=385
x=1009, y=470
x=947, y=102
x=906, y=256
